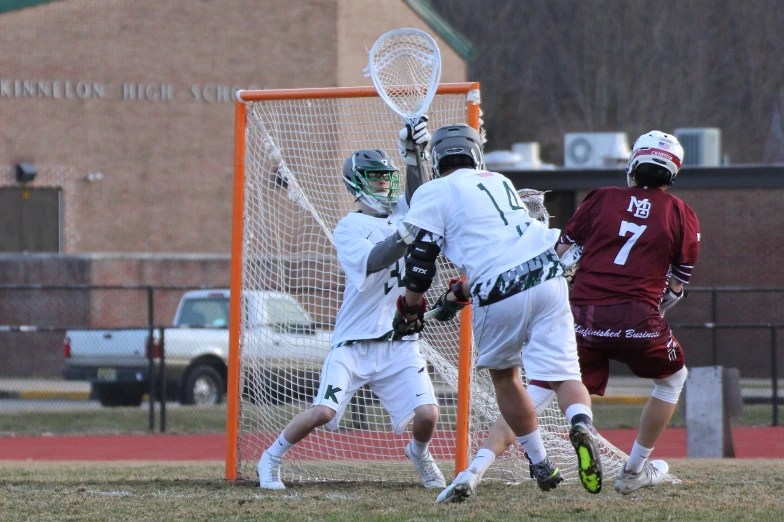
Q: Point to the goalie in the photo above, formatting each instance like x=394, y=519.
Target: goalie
x=370, y=251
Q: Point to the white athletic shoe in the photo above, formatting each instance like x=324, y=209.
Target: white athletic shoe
x=428, y=470
x=652, y=473
x=269, y=472
x=460, y=489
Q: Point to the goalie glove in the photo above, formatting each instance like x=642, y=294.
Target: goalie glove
x=670, y=299
x=401, y=325
x=411, y=135
x=447, y=310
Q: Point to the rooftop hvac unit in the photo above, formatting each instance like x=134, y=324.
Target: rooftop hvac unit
x=701, y=147
x=595, y=150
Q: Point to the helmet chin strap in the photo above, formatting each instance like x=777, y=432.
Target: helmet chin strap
x=367, y=209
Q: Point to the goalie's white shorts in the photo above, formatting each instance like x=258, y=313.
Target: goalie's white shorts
x=537, y=323
x=395, y=371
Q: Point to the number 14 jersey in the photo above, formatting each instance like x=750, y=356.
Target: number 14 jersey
x=486, y=229
x=630, y=238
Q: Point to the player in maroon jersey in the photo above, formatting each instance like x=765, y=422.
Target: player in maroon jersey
x=639, y=245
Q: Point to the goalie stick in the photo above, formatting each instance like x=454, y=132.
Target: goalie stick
x=405, y=66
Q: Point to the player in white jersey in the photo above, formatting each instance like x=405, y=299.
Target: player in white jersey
x=370, y=251
x=516, y=288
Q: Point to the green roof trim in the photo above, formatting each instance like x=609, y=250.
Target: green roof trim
x=462, y=45
x=13, y=5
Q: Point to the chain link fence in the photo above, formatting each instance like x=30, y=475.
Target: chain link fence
x=109, y=359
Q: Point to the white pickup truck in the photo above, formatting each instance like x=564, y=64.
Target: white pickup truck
x=277, y=330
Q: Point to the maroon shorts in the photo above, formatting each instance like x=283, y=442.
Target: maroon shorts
x=634, y=334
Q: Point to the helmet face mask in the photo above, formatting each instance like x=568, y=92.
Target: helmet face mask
x=372, y=178
x=455, y=146
x=655, y=156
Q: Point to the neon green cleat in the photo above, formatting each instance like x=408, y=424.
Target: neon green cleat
x=547, y=474
x=589, y=464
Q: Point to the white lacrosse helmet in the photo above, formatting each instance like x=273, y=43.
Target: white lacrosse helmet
x=655, y=155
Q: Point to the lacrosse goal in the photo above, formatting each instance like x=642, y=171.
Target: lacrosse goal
x=286, y=288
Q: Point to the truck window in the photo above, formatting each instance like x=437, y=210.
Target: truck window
x=285, y=311
x=212, y=313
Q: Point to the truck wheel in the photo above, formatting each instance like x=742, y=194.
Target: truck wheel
x=112, y=395
x=203, y=386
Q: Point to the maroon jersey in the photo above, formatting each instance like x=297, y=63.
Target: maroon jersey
x=631, y=237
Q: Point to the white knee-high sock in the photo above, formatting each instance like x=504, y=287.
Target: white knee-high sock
x=578, y=409
x=279, y=447
x=533, y=446
x=419, y=449
x=638, y=457
x=484, y=458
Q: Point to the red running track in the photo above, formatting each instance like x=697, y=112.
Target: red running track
x=749, y=443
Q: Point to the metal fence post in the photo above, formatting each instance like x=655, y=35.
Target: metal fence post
x=714, y=332
x=163, y=380
x=774, y=372
x=150, y=359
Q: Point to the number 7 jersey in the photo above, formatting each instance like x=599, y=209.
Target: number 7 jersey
x=631, y=238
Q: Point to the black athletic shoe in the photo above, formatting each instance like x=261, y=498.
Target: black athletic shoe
x=546, y=473
x=589, y=463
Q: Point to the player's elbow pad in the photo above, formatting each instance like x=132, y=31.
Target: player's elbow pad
x=420, y=265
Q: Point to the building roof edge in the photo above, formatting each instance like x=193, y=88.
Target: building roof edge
x=462, y=45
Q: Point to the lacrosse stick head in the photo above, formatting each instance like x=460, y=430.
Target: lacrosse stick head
x=533, y=201
x=405, y=66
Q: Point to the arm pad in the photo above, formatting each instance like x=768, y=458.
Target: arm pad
x=421, y=265
x=385, y=253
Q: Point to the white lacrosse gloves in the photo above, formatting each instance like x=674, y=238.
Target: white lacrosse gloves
x=411, y=135
x=670, y=299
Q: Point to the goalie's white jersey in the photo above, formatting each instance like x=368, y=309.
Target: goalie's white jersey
x=369, y=300
x=485, y=227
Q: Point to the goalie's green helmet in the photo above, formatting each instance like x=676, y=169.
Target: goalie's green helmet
x=454, y=146
x=366, y=166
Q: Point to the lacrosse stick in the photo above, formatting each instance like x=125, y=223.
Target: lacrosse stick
x=405, y=67
x=533, y=200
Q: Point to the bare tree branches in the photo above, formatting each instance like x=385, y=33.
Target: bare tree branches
x=548, y=67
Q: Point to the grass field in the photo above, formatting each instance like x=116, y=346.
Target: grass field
x=212, y=419
x=717, y=491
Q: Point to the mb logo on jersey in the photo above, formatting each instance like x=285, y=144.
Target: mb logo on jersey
x=640, y=207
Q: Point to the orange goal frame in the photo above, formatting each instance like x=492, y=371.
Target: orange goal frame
x=238, y=201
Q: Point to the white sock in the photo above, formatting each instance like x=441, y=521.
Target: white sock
x=484, y=458
x=419, y=449
x=542, y=397
x=279, y=447
x=577, y=409
x=533, y=446
x=637, y=458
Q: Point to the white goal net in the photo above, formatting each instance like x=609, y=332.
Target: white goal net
x=294, y=146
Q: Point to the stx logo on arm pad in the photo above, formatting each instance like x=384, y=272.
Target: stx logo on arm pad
x=421, y=265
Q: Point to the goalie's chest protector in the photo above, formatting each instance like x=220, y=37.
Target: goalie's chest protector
x=369, y=300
